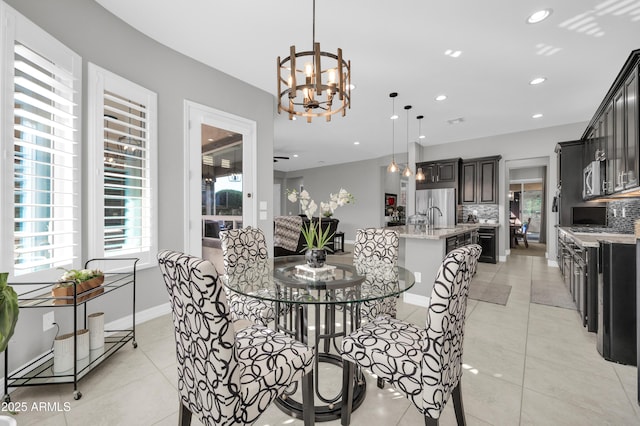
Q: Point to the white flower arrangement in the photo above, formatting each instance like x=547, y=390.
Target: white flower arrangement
x=313, y=235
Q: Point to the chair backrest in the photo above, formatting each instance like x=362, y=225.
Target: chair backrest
x=242, y=246
x=525, y=227
x=442, y=347
x=377, y=244
x=208, y=376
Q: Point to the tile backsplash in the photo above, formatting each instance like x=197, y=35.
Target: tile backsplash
x=485, y=211
x=615, y=217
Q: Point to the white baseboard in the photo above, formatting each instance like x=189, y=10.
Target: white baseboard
x=552, y=263
x=502, y=258
x=415, y=299
x=141, y=317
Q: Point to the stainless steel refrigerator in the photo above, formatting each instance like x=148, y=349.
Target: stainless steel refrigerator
x=434, y=201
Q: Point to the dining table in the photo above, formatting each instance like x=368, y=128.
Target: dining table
x=319, y=306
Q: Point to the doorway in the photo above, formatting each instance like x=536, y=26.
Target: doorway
x=527, y=208
x=220, y=157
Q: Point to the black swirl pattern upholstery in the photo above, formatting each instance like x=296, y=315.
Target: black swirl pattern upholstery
x=241, y=247
x=376, y=245
x=425, y=364
x=224, y=377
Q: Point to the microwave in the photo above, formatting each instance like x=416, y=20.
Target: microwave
x=591, y=179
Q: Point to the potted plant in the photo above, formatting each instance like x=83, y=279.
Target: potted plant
x=84, y=280
x=315, y=238
x=8, y=311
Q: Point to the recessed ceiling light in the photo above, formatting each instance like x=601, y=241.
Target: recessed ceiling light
x=536, y=116
x=538, y=80
x=453, y=53
x=539, y=16
x=394, y=117
x=456, y=120
x=441, y=97
x=421, y=137
x=356, y=143
x=295, y=155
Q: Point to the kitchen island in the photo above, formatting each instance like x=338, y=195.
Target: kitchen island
x=422, y=251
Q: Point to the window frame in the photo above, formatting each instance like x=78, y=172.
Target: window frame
x=99, y=80
x=15, y=27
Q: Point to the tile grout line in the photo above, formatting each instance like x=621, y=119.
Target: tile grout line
x=526, y=343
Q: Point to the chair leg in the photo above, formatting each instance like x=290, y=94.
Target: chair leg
x=184, y=415
x=456, y=394
x=348, y=369
x=428, y=421
x=308, y=404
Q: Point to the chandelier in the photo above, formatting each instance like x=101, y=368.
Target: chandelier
x=309, y=91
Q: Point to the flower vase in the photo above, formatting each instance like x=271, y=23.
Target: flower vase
x=315, y=257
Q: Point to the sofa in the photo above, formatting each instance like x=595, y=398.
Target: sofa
x=278, y=250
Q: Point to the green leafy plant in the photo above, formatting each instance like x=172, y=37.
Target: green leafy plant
x=77, y=275
x=8, y=311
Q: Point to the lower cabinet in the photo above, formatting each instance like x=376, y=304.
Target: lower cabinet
x=487, y=240
x=461, y=240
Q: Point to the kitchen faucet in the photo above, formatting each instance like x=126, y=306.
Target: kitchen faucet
x=430, y=215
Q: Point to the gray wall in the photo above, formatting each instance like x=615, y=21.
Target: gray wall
x=99, y=37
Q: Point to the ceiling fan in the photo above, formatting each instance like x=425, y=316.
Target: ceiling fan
x=279, y=157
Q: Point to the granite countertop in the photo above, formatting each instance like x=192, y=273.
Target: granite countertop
x=435, y=233
x=592, y=239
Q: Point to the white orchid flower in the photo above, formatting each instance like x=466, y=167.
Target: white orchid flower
x=293, y=196
x=304, y=195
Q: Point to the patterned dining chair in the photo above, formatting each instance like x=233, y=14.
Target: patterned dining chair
x=376, y=245
x=424, y=364
x=240, y=248
x=226, y=376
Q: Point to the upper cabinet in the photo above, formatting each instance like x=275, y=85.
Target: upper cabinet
x=439, y=174
x=613, y=136
x=479, y=180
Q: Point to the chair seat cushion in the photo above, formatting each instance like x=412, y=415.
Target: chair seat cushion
x=250, y=308
x=390, y=349
x=268, y=363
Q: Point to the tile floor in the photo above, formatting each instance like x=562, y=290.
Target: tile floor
x=526, y=364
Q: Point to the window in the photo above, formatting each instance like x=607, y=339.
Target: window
x=40, y=179
x=122, y=159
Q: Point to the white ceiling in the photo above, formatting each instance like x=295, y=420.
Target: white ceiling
x=399, y=46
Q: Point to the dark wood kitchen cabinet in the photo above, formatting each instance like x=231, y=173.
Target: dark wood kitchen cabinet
x=487, y=240
x=439, y=174
x=479, y=180
x=614, y=129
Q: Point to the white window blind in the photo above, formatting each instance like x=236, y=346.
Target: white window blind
x=44, y=80
x=124, y=218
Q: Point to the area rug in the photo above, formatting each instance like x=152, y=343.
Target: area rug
x=551, y=293
x=489, y=292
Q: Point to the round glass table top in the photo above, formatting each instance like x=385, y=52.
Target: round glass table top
x=289, y=280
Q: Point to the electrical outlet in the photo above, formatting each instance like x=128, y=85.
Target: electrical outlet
x=624, y=213
x=418, y=277
x=48, y=320
x=615, y=212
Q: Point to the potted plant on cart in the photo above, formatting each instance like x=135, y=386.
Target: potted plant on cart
x=84, y=280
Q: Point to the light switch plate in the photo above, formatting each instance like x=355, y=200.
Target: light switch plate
x=263, y=215
x=418, y=276
x=263, y=205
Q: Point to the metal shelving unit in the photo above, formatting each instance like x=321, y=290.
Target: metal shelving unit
x=40, y=371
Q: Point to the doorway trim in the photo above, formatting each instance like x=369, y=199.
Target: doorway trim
x=526, y=163
x=196, y=114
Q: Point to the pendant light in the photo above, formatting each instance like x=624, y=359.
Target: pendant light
x=407, y=171
x=419, y=173
x=393, y=167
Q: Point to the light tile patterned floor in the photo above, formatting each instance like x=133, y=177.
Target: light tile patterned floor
x=526, y=364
